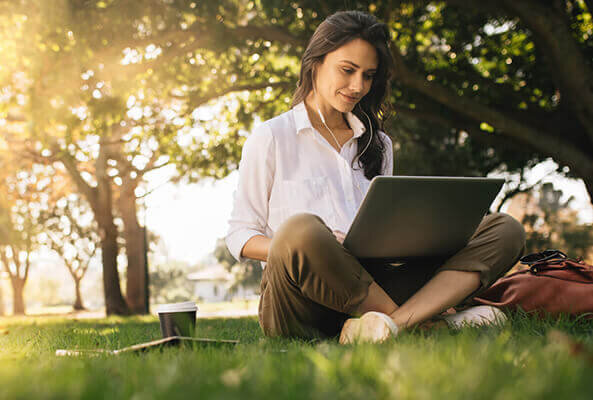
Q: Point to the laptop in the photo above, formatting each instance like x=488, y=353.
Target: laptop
x=403, y=218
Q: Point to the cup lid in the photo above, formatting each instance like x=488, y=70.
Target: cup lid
x=176, y=307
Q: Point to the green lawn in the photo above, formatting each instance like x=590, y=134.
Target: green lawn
x=525, y=359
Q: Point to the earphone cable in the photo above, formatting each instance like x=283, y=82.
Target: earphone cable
x=338, y=143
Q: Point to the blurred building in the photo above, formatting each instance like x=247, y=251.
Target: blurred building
x=214, y=284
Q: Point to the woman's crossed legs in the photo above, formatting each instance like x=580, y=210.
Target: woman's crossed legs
x=311, y=284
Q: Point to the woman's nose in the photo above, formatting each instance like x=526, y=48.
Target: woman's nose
x=356, y=83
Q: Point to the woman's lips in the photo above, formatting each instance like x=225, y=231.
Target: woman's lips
x=349, y=99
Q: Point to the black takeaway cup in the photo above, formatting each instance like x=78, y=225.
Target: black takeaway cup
x=178, y=319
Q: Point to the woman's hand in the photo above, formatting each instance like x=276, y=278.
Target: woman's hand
x=340, y=236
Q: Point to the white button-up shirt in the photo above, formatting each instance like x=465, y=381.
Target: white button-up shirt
x=288, y=167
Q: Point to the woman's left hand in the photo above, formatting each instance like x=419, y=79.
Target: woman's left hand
x=340, y=236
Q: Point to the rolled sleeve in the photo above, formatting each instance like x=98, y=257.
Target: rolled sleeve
x=236, y=240
x=249, y=216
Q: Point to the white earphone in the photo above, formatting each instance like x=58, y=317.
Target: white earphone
x=323, y=120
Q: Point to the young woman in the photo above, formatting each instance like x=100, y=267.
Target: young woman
x=302, y=177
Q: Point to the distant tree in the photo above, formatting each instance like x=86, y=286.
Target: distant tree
x=112, y=90
x=2, y=310
x=18, y=238
x=169, y=283
x=507, y=76
x=554, y=225
x=26, y=190
x=46, y=290
x=73, y=234
x=519, y=187
x=247, y=274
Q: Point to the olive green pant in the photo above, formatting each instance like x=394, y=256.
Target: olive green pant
x=312, y=284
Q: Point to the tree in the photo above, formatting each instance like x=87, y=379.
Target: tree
x=2, y=312
x=42, y=117
x=248, y=273
x=551, y=224
x=19, y=233
x=106, y=123
x=494, y=75
x=114, y=89
x=169, y=283
x=73, y=236
x=506, y=72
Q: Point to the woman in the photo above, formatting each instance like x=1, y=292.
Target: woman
x=302, y=177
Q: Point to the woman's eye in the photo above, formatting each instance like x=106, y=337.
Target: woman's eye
x=349, y=71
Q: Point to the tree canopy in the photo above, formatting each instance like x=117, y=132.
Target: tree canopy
x=490, y=77
x=110, y=90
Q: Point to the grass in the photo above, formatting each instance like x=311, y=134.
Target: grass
x=525, y=359
x=204, y=307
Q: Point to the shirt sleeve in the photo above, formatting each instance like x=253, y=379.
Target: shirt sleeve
x=250, y=200
x=388, y=159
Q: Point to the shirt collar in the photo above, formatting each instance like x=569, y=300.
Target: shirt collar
x=302, y=122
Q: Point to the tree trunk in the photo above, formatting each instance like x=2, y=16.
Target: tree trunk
x=136, y=288
x=103, y=208
x=100, y=199
x=78, y=306
x=114, y=301
x=18, y=303
x=2, y=310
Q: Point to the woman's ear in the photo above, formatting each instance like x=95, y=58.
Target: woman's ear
x=314, y=70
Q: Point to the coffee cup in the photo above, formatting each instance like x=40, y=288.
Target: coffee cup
x=177, y=319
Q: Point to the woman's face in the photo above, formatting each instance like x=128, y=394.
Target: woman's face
x=346, y=75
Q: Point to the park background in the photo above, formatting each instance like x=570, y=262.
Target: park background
x=120, y=115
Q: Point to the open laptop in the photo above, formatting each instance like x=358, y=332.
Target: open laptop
x=403, y=218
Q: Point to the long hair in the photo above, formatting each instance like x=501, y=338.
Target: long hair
x=335, y=31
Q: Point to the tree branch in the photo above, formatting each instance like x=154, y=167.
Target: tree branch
x=470, y=127
x=201, y=100
x=553, y=36
x=512, y=193
x=567, y=62
x=84, y=267
x=27, y=259
x=194, y=38
x=70, y=164
x=553, y=145
x=156, y=187
x=205, y=38
x=153, y=167
x=15, y=260
x=5, y=262
x=270, y=32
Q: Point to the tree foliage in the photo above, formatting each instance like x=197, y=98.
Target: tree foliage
x=169, y=283
x=71, y=232
x=553, y=225
x=24, y=194
x=112, y=90
x=247, y=274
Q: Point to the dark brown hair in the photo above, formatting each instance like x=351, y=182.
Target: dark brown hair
x=334, y=32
